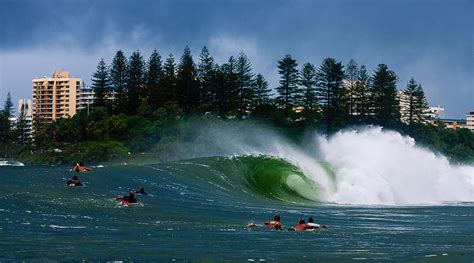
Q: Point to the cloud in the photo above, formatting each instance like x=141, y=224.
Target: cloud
x=223, y=46
x=67, y=52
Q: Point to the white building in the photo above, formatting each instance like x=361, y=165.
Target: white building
x=470, y=121
x=434, y=113
x=85, y=97
x=25, y=115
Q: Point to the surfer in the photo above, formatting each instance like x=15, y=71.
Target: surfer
x=312, y=225
x=275, y=223
x=81, y=168
x=130, y=198
x=74, y=182
x=301, y=226
x=141, y=191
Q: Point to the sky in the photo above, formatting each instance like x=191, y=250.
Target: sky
x=429, y=40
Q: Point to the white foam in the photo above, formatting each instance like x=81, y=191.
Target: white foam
x=383, y=167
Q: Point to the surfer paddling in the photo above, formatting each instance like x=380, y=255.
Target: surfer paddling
x=80, y=167
x=302, y=226
x=127, y=199
x=275, y=223
x=74, y=182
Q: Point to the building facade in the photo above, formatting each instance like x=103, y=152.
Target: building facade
x=85, y=97
x=448, y=123
x=55, y=97
x=434, y=113
x=25, y=116
x=470, y=121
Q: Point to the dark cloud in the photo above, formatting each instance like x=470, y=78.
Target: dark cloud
x=429, y=40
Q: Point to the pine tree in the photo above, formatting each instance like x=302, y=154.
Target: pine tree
x=362, y=95
x=168, y=81
x=23, y=136
x=155, y=93
x=135, y=82
x=8, y=108
x=331, y=92
x=414, y=103
x=288, y=90
x=308, y=86
x=187, y=83
x=101, y=84
x=118, y=77
x=206, y=73
x=244, y=82
x=261, y=92
x=351, y=75
x=384, y=103
x=227, y=96
x=421, y=104
x=6, y=133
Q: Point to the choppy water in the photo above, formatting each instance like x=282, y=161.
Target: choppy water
x=197, y=210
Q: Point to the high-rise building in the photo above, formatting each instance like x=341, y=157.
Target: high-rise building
x=55, y=97
x=25, y=116
x=470, y=121
x=434, y=113
x=85, y=97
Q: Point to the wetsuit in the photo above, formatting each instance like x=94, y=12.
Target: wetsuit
x=129, y=199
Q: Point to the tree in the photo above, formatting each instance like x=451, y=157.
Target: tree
x=135, y=82
x=8, y=108
x=331, y=92
x=261, y=92
x=413, y=103
x=244, y=82
x=288, y=90
x=384, y=103
x=101, y=84
x=361, y=95
x=155, y=93
x=351, y=75
x=23, y=132
x=187, y=83
x=206, y=73
x=168, y=81
x=118, y=78
x=308, y=86
x=6, y=133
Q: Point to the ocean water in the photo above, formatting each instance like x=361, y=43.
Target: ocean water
x=197, y=210
x=383, y=197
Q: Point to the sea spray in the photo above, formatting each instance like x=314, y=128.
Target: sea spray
x=373, y=166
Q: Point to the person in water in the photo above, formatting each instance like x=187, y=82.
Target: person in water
x=128, y=198
x=74, y=182
x=312, y=225
x=141, y=191
x=301, y=226
x=275, y=223
x=81, y=168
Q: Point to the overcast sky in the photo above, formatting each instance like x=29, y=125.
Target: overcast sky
x=430, y=40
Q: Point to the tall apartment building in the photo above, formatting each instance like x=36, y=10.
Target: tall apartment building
x=55, y=97
x=25, y=115
x=470, y=121
x=434, y=113
x=85, y=97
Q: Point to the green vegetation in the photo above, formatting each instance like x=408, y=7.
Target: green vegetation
x=144, y=108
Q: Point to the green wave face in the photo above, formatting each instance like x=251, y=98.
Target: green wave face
x=264, y=176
